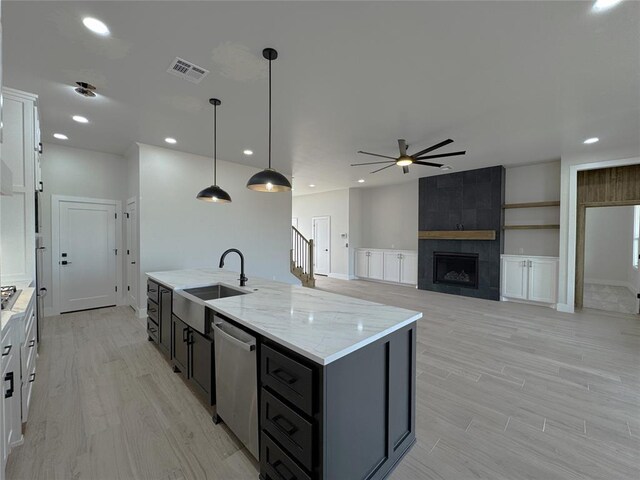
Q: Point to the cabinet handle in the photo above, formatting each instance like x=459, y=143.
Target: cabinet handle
x=284, y=376
x=285, y=425
x=282, y=470
x=184, y=334
x=32, y=343
x=9, y=378
x=530, y=264
x=7, y=350
x=190, y=341
x=32, y=377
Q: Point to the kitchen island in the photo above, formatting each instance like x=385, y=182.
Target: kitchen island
x=336, y=375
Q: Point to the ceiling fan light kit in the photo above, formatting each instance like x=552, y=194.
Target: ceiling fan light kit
x=269, y=180
x=214, y=194
x=405, y=160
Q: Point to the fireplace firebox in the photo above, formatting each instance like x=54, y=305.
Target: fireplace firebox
x=458, y=269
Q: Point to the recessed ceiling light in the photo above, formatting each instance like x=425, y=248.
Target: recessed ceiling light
x=602, y=5
x=248, y=152
x=170, y=140
x=446, y=167
x=591, y=140
x=361, y=180
x=80, y=119
x=96, y=26
x=312, y=186
x=60, y=136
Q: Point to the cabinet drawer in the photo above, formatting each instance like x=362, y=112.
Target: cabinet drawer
x=287, y=377
x=276, y=465
x=291, y=430
x=152, y=330
x=153, y=290
x=152, y=310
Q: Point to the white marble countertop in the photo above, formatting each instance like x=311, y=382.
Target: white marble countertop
x=19, y=307
x=318, y=325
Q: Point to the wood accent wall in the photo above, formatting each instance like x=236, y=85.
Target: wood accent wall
x=606, y=187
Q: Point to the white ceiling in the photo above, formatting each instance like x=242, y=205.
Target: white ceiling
x=510, y=82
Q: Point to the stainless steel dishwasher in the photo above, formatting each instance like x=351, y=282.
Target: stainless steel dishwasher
x=236, y=382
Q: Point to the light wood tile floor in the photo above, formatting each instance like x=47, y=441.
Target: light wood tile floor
x=504, y=391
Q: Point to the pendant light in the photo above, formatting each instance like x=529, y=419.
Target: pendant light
x=268, y=180
x=214, y=193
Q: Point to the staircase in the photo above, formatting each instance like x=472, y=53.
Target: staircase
x=302, y=258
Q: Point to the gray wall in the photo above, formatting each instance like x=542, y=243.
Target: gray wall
x=177, y=231
x=78, y=173
x=532, y=183
x=390, y=216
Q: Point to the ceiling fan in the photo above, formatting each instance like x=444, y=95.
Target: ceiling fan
x=404, y=160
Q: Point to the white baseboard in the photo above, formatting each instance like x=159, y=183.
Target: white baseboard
x=341, y=276
x=566, y=308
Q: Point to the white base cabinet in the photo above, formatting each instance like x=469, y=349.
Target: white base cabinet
x=529, y=279
x=394, y=266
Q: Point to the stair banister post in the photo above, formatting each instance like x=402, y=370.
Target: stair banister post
x=311, y=258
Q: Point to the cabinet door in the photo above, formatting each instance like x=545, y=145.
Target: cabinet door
x=362, y=264
x=180, y=353
x=542, y=280
x=391, y=269
x=376, y=265
x=514, y=277
x=202, y=364
x=409, y=268
x=165, y=319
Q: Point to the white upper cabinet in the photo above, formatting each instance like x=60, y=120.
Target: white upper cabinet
x=20, y=153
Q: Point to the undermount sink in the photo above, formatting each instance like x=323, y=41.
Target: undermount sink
x=189, y=304
x=212, y=292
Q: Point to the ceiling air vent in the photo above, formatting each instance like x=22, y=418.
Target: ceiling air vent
x=183, y=69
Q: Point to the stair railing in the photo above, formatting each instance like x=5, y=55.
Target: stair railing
x=301, y=254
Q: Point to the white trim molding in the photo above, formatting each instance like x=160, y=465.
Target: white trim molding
x=572, y=221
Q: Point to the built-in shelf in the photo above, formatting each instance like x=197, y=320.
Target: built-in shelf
x=531, y=227
x=457, y=235
x=532, y=204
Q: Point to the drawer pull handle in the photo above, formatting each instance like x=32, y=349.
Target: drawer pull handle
x=32, y=377
x=9, y=378
x=32, y=343
x=282, y=470
x=285, y=425
x=7, y=350
x=284, y=376
x=184, y=334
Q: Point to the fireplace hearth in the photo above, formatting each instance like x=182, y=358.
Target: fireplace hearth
x=458, y=269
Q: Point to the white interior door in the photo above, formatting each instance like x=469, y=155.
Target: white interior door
x=321, y=230
x=86, y=255
x=132, y=253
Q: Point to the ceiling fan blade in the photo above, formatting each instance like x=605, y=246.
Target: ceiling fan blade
x=428, y=164
x=402, y=144
x=380, y=169
x=405, y=169
x=432, y=148
x=452, y=154
x=372, y=163
x=376, y=155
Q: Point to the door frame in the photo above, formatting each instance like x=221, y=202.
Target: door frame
x=315, y=242
x=134, y=201
x=56, y=200
x=569, y=222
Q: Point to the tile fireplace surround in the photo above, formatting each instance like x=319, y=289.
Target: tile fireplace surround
x=474, y=200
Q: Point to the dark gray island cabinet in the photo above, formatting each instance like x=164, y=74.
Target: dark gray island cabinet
x=335, y=392
x=353, y=418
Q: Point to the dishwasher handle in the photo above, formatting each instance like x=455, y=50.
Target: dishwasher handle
x=249, y=346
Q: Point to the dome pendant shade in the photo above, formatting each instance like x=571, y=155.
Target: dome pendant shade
x=213, y=194
x=268, y=180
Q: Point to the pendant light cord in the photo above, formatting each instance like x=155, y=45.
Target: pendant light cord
x=215, y=142
x=269, y=113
